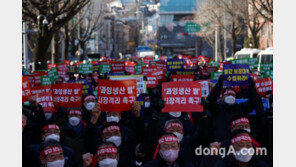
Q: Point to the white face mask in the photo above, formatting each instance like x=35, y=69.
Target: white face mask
x=112, y=119
x=229, y=99
x=57, y=163
x=48, y=115
x=147, y=104
x=74, y=121
x=244, y=155
x=179, y=135
x=248, y=130
x=175, y=114
x=89, y=106
x=108, y=162
x=169, y=155
x=115, y=139
x=52, y=136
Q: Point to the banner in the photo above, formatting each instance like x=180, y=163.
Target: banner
x=46, y=80
x=141, y=85
x=152, y=80
x=85, y=68
x=86, y=85
x=263, y=85
x=67, y=94
x=236, y=75
x=53, y=73
x=117, y=66
x=176, y=78
x=146, y=70
x=40, y=89
x=46, y=101
x=104, y=68
x=26, y=89
x=182, y=97
x=185, y=72
x=116, y=96
x=62, y=69
x=175, y=64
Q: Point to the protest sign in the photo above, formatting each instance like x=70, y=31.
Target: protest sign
x=185, y=72
x=159, y=73
x=104, y=68
x=266, y=67
x=268, y=74
x=211, y=69
x=182, y=97
x=46, y=80
x=53, y=73
x=175, y=64
x=194, y=60
x=25, y=72
x=176, y=78
x=96, y=67
x=46, y=101
x=254, y=76
x=141, y=100
x=152, y=80
x=204, y=73
x=72, y=69
x=215, y=64
x=146, y=60
x=40, y=89
x=138, y=69
x=236, y=74
x=146, y=70
x=117, y=66
x=205, y=87
x=85, y=68
x=152, y=63
x=160, y=65
x=130, y=69
x=49, y=66
x=215, y=76
x=141, y=85
x=67, y=94
x=26, y=89
x=86, y=85
x=62, y=69
x=163, y=58
x=116, y=96
x=263, y=85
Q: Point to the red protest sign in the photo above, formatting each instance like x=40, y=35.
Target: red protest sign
x=26, y=89
x=49, y=66
x=254, y=76
x=182, y=97
x=211, y=69
x=263, y=85
x=159, y=73
x=46, y=101
x=40, y=89
x=205, y=73
x=117, y=96
x=67, y=94
x=152, y=80
x=130, y=67
x=160, y=65
x=37, y=79
x=176, y=78
x=146, y=70
x=146, y=60
x=117, y=66
x=194, y=60
x=62, y=69
x=163, y=58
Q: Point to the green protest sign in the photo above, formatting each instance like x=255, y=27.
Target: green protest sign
x=215, y=64
x=138, y=69
x=104, y=68
x=46, y=80
x=266, y=67
x=53, y=73
x=26, y=71
x=215, y=75
x=85, y=68
x=268, y=74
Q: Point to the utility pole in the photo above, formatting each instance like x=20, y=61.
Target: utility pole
x=216, y=44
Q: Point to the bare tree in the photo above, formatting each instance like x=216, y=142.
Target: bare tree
x=264, y=8
x=57, y=14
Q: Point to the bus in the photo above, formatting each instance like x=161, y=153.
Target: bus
x=247, y=53
x=265, y=57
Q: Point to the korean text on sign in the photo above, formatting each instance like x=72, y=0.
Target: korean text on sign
x=116, y=96
x=67, y=94
x=182, y=97
x=236, y=74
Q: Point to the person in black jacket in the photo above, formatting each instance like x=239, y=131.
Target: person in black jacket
x=222, y=107
x=168, y=155
x=50, y=132
x=243, y=154
x=106, y=156
x=52, y=154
